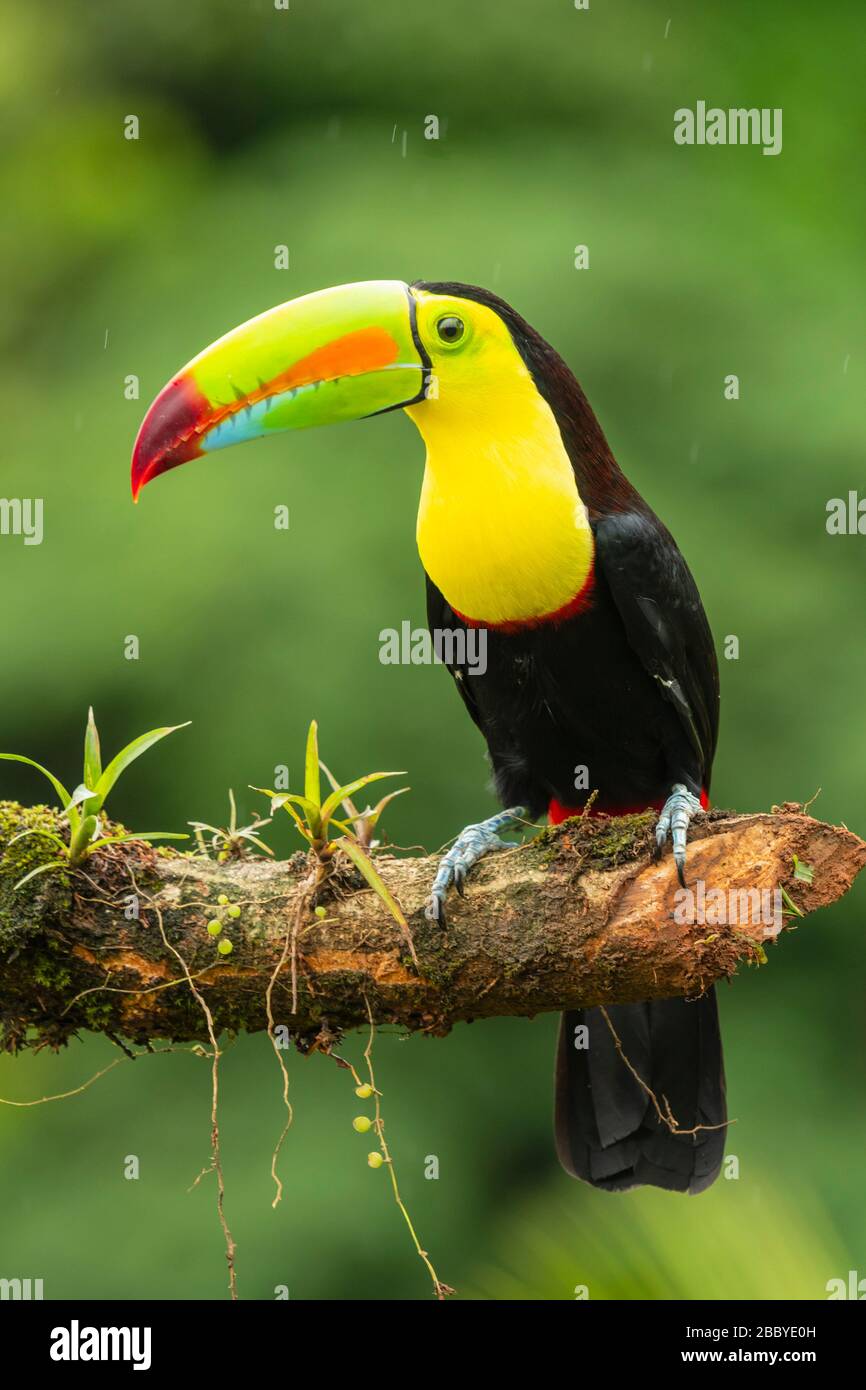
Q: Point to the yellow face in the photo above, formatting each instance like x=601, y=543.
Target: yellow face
x=502, y=531
x=470, y=348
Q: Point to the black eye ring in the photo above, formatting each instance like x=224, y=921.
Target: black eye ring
x=450, y=328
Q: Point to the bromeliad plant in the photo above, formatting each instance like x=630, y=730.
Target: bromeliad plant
x=83, y=808
x=315, y=819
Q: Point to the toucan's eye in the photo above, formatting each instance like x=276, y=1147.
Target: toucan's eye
x=450, y=328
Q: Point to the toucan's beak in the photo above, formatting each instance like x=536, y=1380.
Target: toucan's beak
x=340, y=354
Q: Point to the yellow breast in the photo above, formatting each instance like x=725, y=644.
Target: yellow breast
x=502, y=530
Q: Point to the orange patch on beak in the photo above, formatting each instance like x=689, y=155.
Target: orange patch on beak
x=366, y=350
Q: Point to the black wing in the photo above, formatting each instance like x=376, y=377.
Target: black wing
x=661, y=610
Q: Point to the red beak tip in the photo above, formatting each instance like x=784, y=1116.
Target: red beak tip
x=169, y=432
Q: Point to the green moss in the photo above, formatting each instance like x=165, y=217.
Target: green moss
x=49, y=971
x=602, y=842
x=619, y=839
x=551, y=835
x=97, y=1013
x=23, y=910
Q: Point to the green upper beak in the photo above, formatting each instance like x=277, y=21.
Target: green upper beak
x=339, y=354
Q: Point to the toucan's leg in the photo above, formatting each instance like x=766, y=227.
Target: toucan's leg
x=471, y=845
x=674, y=821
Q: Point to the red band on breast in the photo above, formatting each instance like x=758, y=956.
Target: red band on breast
x=579, y=604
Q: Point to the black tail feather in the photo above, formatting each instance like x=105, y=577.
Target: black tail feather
x=607, y=1129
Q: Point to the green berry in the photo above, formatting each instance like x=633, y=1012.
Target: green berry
x=234, y=910
x=225, y=948
x=375, y=1160
x=222, y=899
x=364, y=1091
x=215, y=927
x=321, y=912
x=362, y=1123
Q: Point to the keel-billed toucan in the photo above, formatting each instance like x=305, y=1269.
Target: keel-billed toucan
x=598, y=652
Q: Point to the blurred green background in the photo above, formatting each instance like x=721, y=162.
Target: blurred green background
x=261, y=127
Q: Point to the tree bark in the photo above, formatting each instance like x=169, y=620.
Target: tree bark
x=581, y=915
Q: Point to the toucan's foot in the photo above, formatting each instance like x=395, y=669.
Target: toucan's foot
x=674, y=821
x=471, y=845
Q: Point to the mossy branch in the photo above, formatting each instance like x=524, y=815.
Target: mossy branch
x=581, y=915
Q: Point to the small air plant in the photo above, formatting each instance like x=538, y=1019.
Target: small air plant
x=315, y=820
x=82, y=809
x=230, y=841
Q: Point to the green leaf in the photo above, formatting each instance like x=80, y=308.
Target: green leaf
x=312, y=785
x=92, y=756
x=46, y=834
x=309, y=807
x=141, y=835
x=280, y=800
x=155, y=835
x=803, y=872
x=42, y=869
x=58, y=786
x=79, y=796
x=127, y=755
x=350, y=788
x=789, y=902
x=364, y=864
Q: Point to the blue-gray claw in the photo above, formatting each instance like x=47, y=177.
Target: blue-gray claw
x=471, y=845
x=676, y=813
